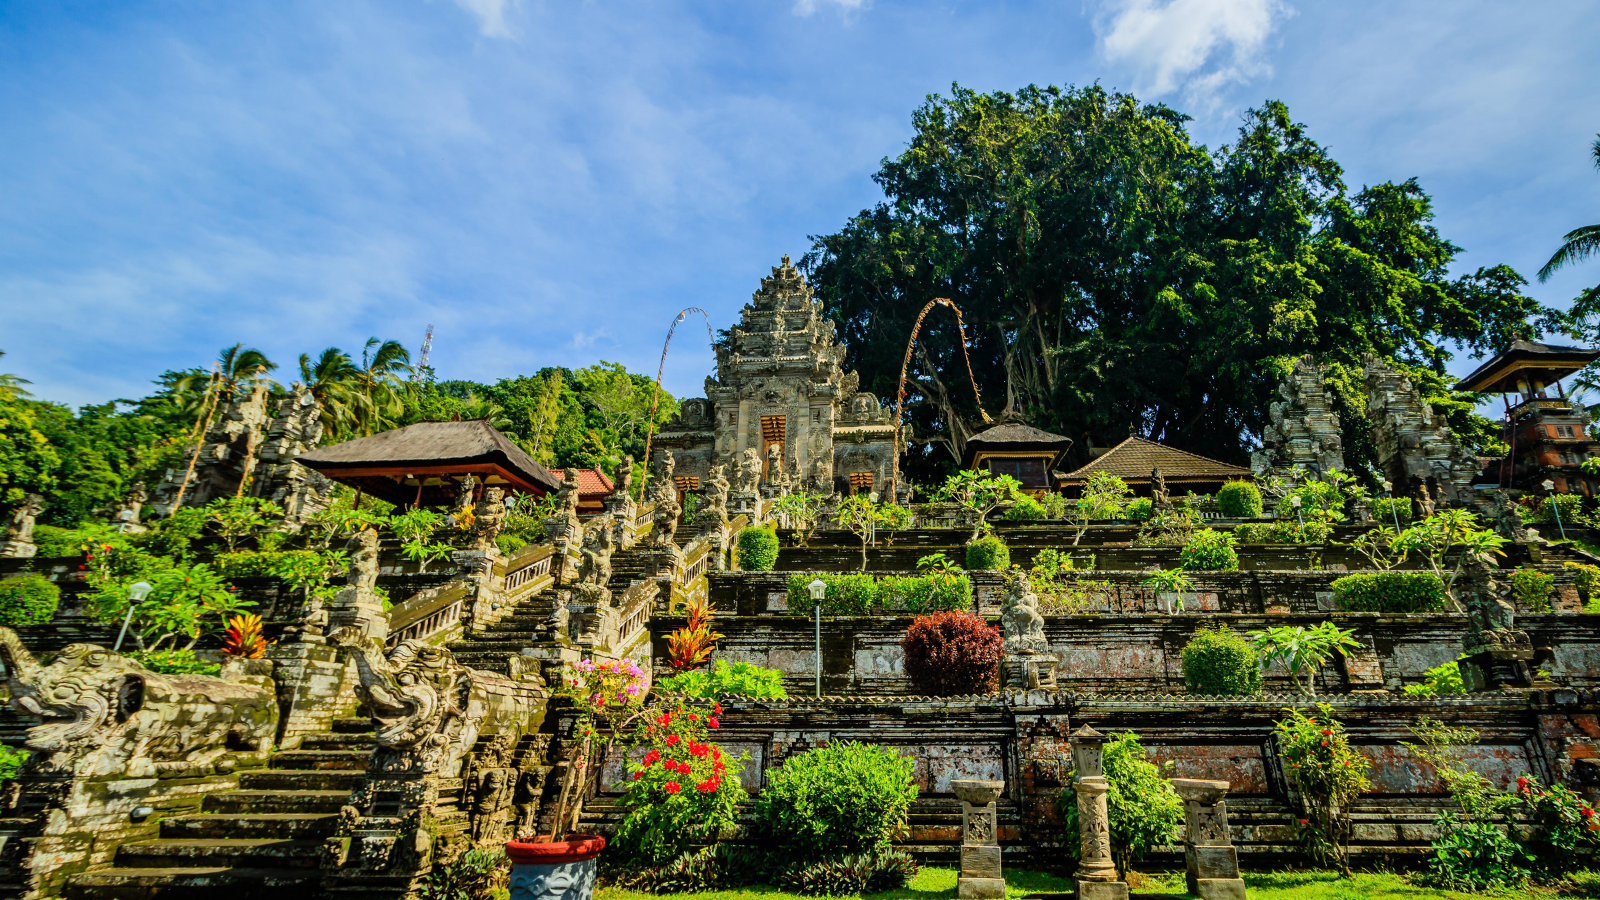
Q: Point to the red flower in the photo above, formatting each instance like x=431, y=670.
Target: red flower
x=693, y=717
x=651, y=757
x=713, y=722
x=638, y=775
x=1327, y=732
x=664, y=719
x=716, y=708
x=1587, y=812
x=672, y=740
x=698, y=749
x=720, y=767
x=716, y=753
x=672, y=787
x=1305, y=821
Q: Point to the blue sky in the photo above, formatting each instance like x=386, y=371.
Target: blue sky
x=550, y=182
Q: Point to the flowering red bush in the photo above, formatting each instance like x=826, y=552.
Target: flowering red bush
x=952, y=653
x=683, y=791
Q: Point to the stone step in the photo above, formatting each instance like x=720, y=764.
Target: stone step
x=303, y=780
x=321, y=759
x=258, y=802
x=266, y=853
x=206, y=883
x=333, y=740
x=352, y=725
x=278, y=826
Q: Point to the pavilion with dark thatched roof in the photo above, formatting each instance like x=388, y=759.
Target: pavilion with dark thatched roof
x=424, y=464
x=1135, y=458
x=1021, y=451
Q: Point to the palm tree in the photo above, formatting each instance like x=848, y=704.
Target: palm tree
x=11, y=385
x=237, y=367
x=332, y=380
x=1578, y=243
x=385, y=366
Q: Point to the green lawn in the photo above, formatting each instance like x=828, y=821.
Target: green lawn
x=940, y=884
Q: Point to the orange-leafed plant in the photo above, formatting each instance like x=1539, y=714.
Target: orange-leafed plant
x=243, y=637
x=690, y=646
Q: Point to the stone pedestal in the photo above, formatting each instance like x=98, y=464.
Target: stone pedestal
x=314, y=686
x=360, y=608
x=1096, y=878
x=1497, y=659
x=1210, y=859
x=1028, y=671
x=980, y=840
x=18, y=549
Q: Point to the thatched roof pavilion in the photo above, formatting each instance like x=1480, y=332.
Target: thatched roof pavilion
x=424, y=463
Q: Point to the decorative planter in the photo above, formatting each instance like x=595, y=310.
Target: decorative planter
x=559, y=870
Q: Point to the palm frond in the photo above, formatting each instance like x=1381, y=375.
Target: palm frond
x=1576, y=246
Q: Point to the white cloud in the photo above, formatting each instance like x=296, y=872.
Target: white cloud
x=582, y=340
x=809, y=7
x=491, y=15
x=1200, y=46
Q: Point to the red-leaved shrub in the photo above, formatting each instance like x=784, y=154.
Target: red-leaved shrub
x=951, y=653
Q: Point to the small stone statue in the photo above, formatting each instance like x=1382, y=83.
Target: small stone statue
x=714, y=509
x=624, y=480
x=563, y=524
x=747, y=471
x=18, y=541
x=1021, y=625
x=597, y=548
x=463, y=511
x=664, y=521
x=1158, y=490
x=132, y=506
x=313, y=622
x=1507, y=517
x=491, y=786
x=490, y=518
x=363, y=560
x=1425, y=504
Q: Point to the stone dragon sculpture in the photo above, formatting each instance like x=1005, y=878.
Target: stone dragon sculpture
x=105, y=714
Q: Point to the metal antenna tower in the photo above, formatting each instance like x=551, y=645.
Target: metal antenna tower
x=422, y=361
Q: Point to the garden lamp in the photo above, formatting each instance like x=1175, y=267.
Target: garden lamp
x=819, y=589
x=1388, y=488
x=1549, y=488
x=872, y=524
x=136, y=594
x=1295, y=502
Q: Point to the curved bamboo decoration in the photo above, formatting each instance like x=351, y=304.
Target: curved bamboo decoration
x=655, y=397
x=900, y=392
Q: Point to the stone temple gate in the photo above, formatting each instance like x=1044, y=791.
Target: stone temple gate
x=781, y=397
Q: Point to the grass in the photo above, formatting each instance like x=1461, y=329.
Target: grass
x=940, y=884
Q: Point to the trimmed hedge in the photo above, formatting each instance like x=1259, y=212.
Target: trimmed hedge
x=1139, y=509
x=1533, y=588
x=1239, y=500
x=859, y=594
x=1569, y=505
x=1283, y=531
x=1386, y=509
x=1220, y=662
x=758, y=549
x=28, y=599
x=988, y=553
x=846, y=797
x=951, y=654
x=1026, y=509
x=1389, y=592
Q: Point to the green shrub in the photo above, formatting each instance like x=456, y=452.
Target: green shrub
x=476, y=874
x=176, y=662
x=11, y=760
x=1026, y=509
x=1283, y=531
x=1586, y=580
x=988, y=553
x=684, y=792
x=919, y=594
x=1474, y=857
x=1139, y=509
x=1570, y=506
x=1445, y=679
x=1239, y=500
x=758, y=549
x=1219, y=662
x=247, y=563
x=1533, y=588
x=1144, y=809
x=28, y=599
x=741, y=678
x=882, y=870
x=849, y=594
x=1209, y=549
x=1253, y=533
x=844, y=798
x=1385, y=510
x=1389, y=592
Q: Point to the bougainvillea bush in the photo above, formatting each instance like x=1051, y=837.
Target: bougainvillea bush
x=948, y=654
x=683, y=791
x=1328, y=775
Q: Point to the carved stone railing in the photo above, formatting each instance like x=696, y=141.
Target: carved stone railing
x=527, y=565
x=427, y=613
x=634, y=608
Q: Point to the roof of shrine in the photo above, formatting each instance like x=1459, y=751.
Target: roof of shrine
x=1527, y=359
x=1133, y=459
x=392, y=465
x=1014, y=436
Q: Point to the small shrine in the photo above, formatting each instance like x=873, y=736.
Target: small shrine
x=1025, y=453
x=424, y=464
x=1137, y=460
x=1547, y=432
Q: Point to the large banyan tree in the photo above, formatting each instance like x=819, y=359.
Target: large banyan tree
x=1117, y=277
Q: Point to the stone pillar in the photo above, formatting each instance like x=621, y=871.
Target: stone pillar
x=1209, y=856
x=1096, y=878
x=980, y=840
x=742, y=436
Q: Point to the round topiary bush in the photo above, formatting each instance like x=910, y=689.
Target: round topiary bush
x=28, y=599
x=758, y=549
x=1025, y=509
x=1139, y=509
x=1239, y=500
x=948, y=654
x=1209, y=549
x=847, y=797
x=988, y=553
x=1219, y=662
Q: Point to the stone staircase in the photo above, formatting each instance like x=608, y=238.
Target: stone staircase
x=259, y=841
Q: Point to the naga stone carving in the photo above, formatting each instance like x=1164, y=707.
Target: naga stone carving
x=491, y=788
x=425, y=714
x=104, y=714
x=18, y=541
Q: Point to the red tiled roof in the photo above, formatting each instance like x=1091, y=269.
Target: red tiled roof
x=591, y=482
x=1133, y=459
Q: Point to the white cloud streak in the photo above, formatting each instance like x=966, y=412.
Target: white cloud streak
x=1198, y=46
x=810, y=7
x=491, y=16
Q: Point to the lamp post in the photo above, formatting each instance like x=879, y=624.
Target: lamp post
x=136, y=594
x=1549, y=488
x=872, y=523
x=1388, y=487
x=1295, y=502
x=819, y=589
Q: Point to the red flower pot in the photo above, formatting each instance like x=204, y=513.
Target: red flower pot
x=576, y=848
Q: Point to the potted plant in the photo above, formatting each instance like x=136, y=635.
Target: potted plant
x=544, y=867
